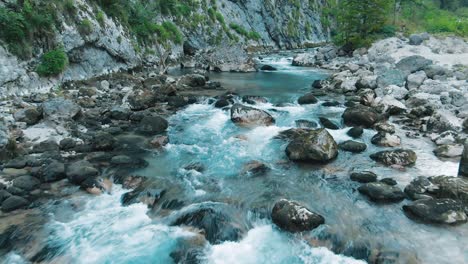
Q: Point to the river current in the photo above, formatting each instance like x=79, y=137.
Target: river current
x=104, y=231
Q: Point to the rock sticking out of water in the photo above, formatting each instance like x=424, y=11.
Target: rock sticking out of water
x=293, y=217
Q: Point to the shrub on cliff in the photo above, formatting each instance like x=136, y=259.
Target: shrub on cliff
x=52, y=63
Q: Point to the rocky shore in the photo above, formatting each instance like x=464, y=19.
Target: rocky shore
x=91, y=134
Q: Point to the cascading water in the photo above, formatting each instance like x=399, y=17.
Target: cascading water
x=104, y=231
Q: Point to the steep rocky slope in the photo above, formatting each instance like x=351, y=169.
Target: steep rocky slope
x=106, y=45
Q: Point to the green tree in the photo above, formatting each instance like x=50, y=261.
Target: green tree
x=358, y=20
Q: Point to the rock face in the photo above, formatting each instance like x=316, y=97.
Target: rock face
x=293, y=217
x=360, y=115
x=463, y=171
x=250, y=117
x=313, y=146
x=438, y=211
x=399, y=157
x=382, y=192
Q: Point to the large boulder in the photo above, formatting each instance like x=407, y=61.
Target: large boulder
x=152, y=125
x=30, y=115
x=53, y=171
x=415, y=80
x=449, y=151
x=80, y=171
x=412, y=64
x=361, y=116
x=438, y=187
x=382, y=192
x=463, y=170
x=363, y=177
x=141, y=99
x=438, y=211
x=249, y=117
x=293, y=217
x=59, y=109
x=307, y=99
x=14, y=202
x=399, y=157
x=313, y=146
x=192, y=80
x=415, y=39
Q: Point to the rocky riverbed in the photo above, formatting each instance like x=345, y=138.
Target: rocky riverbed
x=339, y=158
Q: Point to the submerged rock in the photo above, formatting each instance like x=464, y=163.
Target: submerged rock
x=293, y=217
x=217, y=225
x=438, y=211
x=353, y=146
x=381, y=192
x=268, y=68
x=306, y=124
x=400, y=157
x=361, y=116
x=313, y=146
x=248, y=116
x=255, y=168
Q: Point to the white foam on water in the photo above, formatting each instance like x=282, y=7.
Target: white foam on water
x=107, y=232
x=265, y=245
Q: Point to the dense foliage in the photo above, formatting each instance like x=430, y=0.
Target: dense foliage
x=52, y=63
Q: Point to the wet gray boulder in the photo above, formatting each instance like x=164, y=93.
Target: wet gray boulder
x=381, y=192
x=353, y=146
x=26, y=182
x=433, y=71
x=293, y=217
x=81, y=170
x=384, y=139
x=268, y=68
x=14, y=202
x=152, y=125
x=307, y=99
x=327, y=123
x=363, y=177
x=30, y=116
x=355, y=132
x=60, y=109
x=148, y=196
x=216, y=224
x=399, y=157
x=4, y=195
x=437, y=211
x=242, y=115
x=45, y=146
x=413, y=64
x=439, y=187
x=313, y=146
x=463, y=169
x=361, y=116
x=67, y=143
